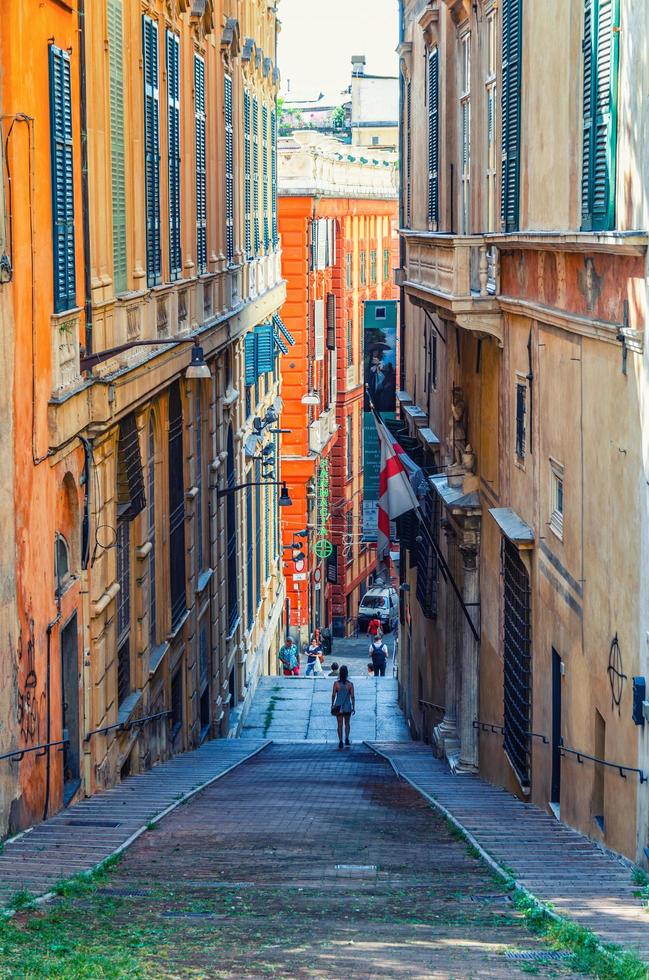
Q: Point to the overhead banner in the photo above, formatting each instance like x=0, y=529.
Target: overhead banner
x=380, y=376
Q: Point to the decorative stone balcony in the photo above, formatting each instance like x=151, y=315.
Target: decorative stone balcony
x=456, y=276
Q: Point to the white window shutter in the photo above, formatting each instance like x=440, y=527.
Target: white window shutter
x=319, y=328
x=322, y=243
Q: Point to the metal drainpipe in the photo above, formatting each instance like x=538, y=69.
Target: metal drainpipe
x=85, y=213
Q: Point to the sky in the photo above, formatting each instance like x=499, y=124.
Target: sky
x=319, y=37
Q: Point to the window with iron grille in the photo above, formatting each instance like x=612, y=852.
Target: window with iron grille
x=231, y=528
x=151, y=151
x=517, y=665
x=131, y=498
x=362, y=267
x=201, y=164
x=62, y=180
x=373, y=267
x=151, y=502
x=229, y=170
x=173, y=153
x=331, y=321
x=427, y=562
x=247, y=171
x=432, y=373
x=521, y=408
x=350, y=342
x=176, y=508
x=349, y=260
x=123, y=549
x=203, y=651
x=386, y=265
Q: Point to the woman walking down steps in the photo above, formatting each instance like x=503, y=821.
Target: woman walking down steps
x=343, y=704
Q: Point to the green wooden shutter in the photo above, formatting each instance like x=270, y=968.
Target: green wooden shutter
x=118, y=169
x=173, y=153
x=408, y=153
x=251, y=358
x=247, y=172
x=265, y=348
x=433, y=137
x=600, y=85
x=511, y=113
x=264, y=175
x=229, y=170
x=201, y=165
x=255, y=171
x=273, y=174
x=151, y=151
x=62, y=180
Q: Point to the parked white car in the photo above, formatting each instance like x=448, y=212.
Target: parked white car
x=379, y=603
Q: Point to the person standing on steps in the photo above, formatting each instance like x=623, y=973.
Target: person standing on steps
x=343, y=704
x=379, y=654
x=314, y=656
x=289, y=657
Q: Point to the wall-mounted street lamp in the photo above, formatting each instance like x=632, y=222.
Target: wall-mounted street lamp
x=196, y=371
x=311, y=398
x=284, y=497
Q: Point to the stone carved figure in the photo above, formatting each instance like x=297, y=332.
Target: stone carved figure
x=457, y=437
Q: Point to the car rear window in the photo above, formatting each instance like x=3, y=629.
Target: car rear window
x=373, y=601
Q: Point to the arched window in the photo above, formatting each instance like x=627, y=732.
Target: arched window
x=62, y=573
x=231, y=532
x=151, y=494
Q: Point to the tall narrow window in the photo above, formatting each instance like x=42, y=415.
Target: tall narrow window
x=173, y=152
x=373, y=267
x=250, y=548
x=273, y=174
x=151, y=151
x=511, y=113
x=255, y=173
x=490, y=95
x=350, y=342
x=408, y=153
x=521, y=398
x=123, y=549
x=517, y=641
x=151, y=502
x=201, y=164
x=386, y=266
x=257, y=480
x=118, y=171
x=433, y=139
x=362, y=262
x=264, y=175
x=62, y=180
x=601, y=55
x=349, y=259
x=556, y=497
x=200, y=497
x=229, y=170
x=331, y=321
x=247, y=171
x=231, y=533
x=349, y=446
x=176, y=508
x=465, y=133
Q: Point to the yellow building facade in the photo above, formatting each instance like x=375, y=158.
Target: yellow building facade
x=523, y=274
x=154, y=601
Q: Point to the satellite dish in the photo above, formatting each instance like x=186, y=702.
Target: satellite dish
x=251, y=445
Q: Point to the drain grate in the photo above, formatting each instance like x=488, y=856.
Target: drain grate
x=91, y=823
x=538, y=956
x=124, y=892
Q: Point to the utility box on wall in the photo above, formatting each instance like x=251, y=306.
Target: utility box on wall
x=639, y=694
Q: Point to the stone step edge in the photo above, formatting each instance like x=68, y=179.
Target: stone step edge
x=486, y=857
x=8, y=913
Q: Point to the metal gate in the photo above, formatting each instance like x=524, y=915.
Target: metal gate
x=517, y=661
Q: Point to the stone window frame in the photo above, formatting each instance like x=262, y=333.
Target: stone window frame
x=557, y=498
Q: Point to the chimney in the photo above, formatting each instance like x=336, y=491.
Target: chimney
x=358, y=64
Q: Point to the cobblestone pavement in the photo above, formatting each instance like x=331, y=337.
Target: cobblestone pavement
x=287, y=709
x=304, y=862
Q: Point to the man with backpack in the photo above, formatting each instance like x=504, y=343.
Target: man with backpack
x=379, y=654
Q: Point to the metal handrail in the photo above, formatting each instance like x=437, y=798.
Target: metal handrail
x=431, y=704
x=126, y=726
x=486, y=726
x=40, y=750
x=602, y=762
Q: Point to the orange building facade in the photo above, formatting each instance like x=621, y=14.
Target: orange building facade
x=337, y=253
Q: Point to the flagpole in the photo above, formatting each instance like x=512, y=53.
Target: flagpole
x=446, y=571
